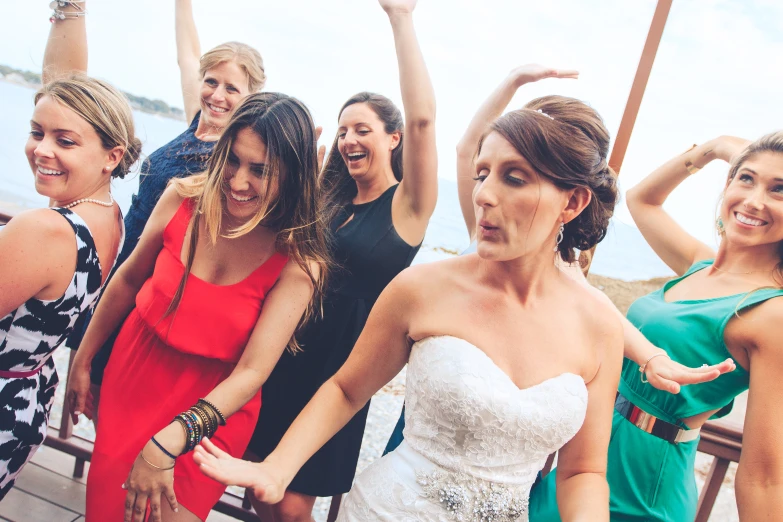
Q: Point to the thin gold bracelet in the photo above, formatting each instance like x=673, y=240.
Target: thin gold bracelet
x=643, y=368
x=153, y=465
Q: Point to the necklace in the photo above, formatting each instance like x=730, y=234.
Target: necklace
x=91, y=200
x=738, y=273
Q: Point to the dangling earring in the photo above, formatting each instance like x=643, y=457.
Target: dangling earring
x=559, y=237
x=719, y=226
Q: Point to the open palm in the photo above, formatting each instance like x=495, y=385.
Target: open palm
x=260, y=478
x=534, y=72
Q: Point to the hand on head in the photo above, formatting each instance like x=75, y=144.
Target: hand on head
x=534, y=72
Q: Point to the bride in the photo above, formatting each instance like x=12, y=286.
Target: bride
x=508, y=359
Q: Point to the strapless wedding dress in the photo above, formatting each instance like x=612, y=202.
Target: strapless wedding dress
x=474, y=442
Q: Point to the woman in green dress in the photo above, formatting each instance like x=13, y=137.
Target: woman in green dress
x=721, y=304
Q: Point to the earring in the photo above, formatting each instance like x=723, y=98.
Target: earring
x=106, y=169
x=559, y=239
x=719, y=226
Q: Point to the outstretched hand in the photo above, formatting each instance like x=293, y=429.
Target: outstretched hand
x=670, y=376
x=261, y=478
x=398, y=6
x=534, y=72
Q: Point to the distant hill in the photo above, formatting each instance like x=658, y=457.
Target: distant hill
x=139, y=103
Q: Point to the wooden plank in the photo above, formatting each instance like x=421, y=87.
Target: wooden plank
x=57, y=462
x=18, y=506
x=711, y=489
x=59, y=490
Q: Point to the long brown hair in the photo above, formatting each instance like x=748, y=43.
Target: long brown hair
x=284, y=124
x=566, y=142
x=337, y=185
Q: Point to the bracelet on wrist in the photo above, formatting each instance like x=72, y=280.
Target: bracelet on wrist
x=643, y=368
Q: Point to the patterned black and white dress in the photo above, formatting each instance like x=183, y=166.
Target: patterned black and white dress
x=28, y=337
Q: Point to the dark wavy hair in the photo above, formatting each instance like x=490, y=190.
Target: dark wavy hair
x=285, y=126
x=566, y=142
x=337, y=185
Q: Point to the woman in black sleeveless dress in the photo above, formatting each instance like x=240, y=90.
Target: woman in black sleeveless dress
x=378, y=221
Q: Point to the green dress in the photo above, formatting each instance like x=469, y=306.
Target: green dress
x=649, y=478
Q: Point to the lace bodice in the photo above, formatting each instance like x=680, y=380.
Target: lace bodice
x=473, y=440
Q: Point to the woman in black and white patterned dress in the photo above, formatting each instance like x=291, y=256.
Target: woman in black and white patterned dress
x=54, y=261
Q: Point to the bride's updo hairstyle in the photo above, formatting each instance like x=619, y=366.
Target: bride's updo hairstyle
x=566, y=142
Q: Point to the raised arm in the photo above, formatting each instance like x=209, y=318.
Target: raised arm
x=678, y=249
x=490, y=110
x=188, y=56
x=66, y=48
x=582, y=490
x=380, y=353
x=419, y=188
x=759, y=481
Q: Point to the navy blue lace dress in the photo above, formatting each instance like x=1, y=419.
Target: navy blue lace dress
x=28, y=337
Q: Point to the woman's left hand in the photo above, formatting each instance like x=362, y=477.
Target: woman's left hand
x=398, y=6
x=147, y=484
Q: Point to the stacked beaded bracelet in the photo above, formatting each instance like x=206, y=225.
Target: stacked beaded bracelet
x=201, y=420
x=59, y=14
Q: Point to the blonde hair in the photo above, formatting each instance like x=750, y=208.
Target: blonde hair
x=294, y=211
x=102, y=106
x=246, y=57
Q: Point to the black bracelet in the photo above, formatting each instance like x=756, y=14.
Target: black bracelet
x=161, y=448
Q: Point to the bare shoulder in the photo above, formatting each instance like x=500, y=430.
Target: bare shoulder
x=757, y=326
x=600, y=317
x=41, y=225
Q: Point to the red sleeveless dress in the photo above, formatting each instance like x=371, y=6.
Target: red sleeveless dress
x=162, y=366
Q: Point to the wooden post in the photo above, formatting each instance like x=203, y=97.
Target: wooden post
x=639, y=85
x=634, y=102
x=711, y=489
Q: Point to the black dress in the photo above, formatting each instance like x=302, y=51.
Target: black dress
x=371, y=254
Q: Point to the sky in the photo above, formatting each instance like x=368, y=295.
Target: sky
x=719, y=68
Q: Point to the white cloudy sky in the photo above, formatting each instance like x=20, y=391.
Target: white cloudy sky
x=719, y=69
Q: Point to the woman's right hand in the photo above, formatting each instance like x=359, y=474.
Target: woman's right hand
x=78, y=388
x=263, y=479
x=668, y=375
x=534, y=72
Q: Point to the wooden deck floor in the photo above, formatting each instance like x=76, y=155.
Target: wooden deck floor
x=47, y=492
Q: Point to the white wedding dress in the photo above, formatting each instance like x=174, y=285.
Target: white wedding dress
x=474, y=442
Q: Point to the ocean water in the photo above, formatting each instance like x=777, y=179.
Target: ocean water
x=623, y=254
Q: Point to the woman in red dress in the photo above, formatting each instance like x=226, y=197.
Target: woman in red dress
x=229, y=265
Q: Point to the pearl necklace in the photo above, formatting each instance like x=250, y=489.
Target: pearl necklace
x=91, y=200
